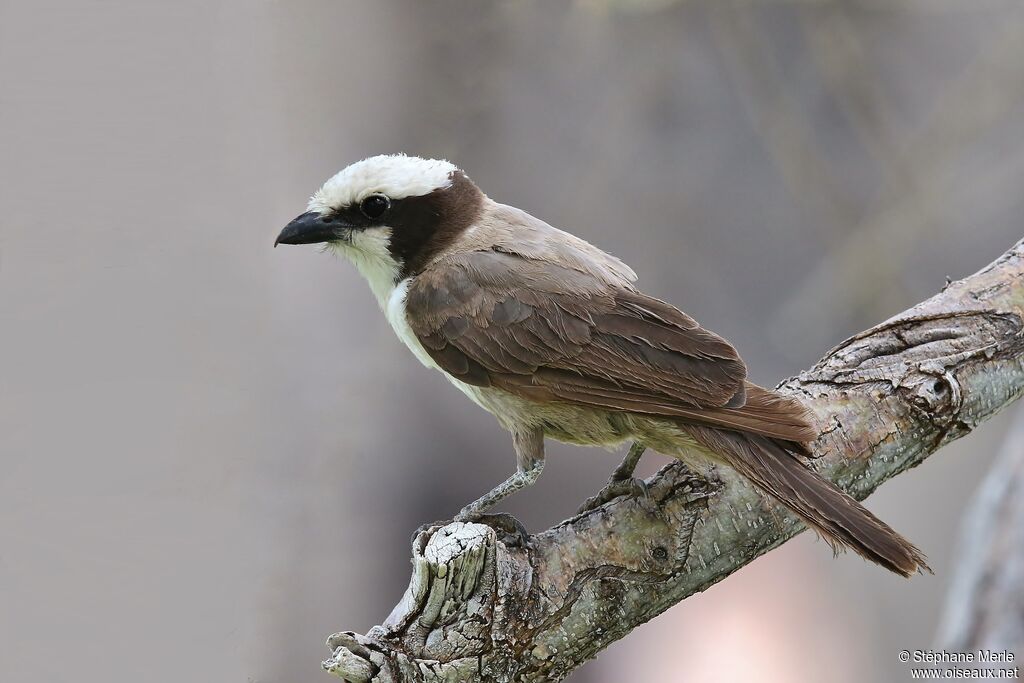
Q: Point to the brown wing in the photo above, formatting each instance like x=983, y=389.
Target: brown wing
x=552, y=333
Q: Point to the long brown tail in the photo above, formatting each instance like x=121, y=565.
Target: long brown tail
x=838, y=518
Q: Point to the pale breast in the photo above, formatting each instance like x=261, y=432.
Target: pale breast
x=394, y=310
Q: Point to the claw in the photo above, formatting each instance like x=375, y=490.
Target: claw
x=640, y=489
x=510, y=530
x=632, y=486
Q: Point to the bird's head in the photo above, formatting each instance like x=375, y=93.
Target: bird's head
x=389, y=214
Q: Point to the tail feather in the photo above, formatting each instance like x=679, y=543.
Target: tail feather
x=773, y=467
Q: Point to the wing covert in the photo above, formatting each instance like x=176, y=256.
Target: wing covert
x=548, y=332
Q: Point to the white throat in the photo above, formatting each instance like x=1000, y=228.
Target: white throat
x=368, y=252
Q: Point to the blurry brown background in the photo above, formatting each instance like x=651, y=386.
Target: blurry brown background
x=212, y=453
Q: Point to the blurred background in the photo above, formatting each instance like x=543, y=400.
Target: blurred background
x=202, y=475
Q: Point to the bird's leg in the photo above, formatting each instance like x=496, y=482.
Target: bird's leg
x=521, y=479
x=621, y=483
x=529, y=445
x=628, y=465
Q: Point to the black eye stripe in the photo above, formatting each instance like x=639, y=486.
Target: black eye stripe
x=420, y=225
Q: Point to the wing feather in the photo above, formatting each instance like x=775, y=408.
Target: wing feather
x=557, y=333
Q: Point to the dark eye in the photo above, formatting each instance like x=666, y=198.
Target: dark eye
x=375, y=205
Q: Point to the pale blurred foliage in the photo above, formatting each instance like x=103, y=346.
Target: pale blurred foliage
x=214, y=452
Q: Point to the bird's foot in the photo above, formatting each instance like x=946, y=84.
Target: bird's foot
x=630, y=486
x=510, y=530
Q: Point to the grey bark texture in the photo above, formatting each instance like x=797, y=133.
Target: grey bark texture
x=485, y=606
x=985, y=606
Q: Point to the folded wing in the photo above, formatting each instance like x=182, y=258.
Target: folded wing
x=556, y=333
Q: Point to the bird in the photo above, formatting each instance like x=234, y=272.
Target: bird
x=552, y=336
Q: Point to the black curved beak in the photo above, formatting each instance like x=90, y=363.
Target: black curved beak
x=309, y=228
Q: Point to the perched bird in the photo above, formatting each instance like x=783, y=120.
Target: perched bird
x=550, y=335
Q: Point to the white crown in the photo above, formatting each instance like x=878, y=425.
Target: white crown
x=394, y=175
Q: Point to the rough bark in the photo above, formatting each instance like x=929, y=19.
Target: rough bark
x=985, y=606
x=482, y=607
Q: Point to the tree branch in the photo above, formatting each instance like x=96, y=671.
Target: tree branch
x=483, y=607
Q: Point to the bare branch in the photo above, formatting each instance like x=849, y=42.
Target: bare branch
x=484, y=607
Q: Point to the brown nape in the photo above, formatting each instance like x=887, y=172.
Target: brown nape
x=423, y=226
